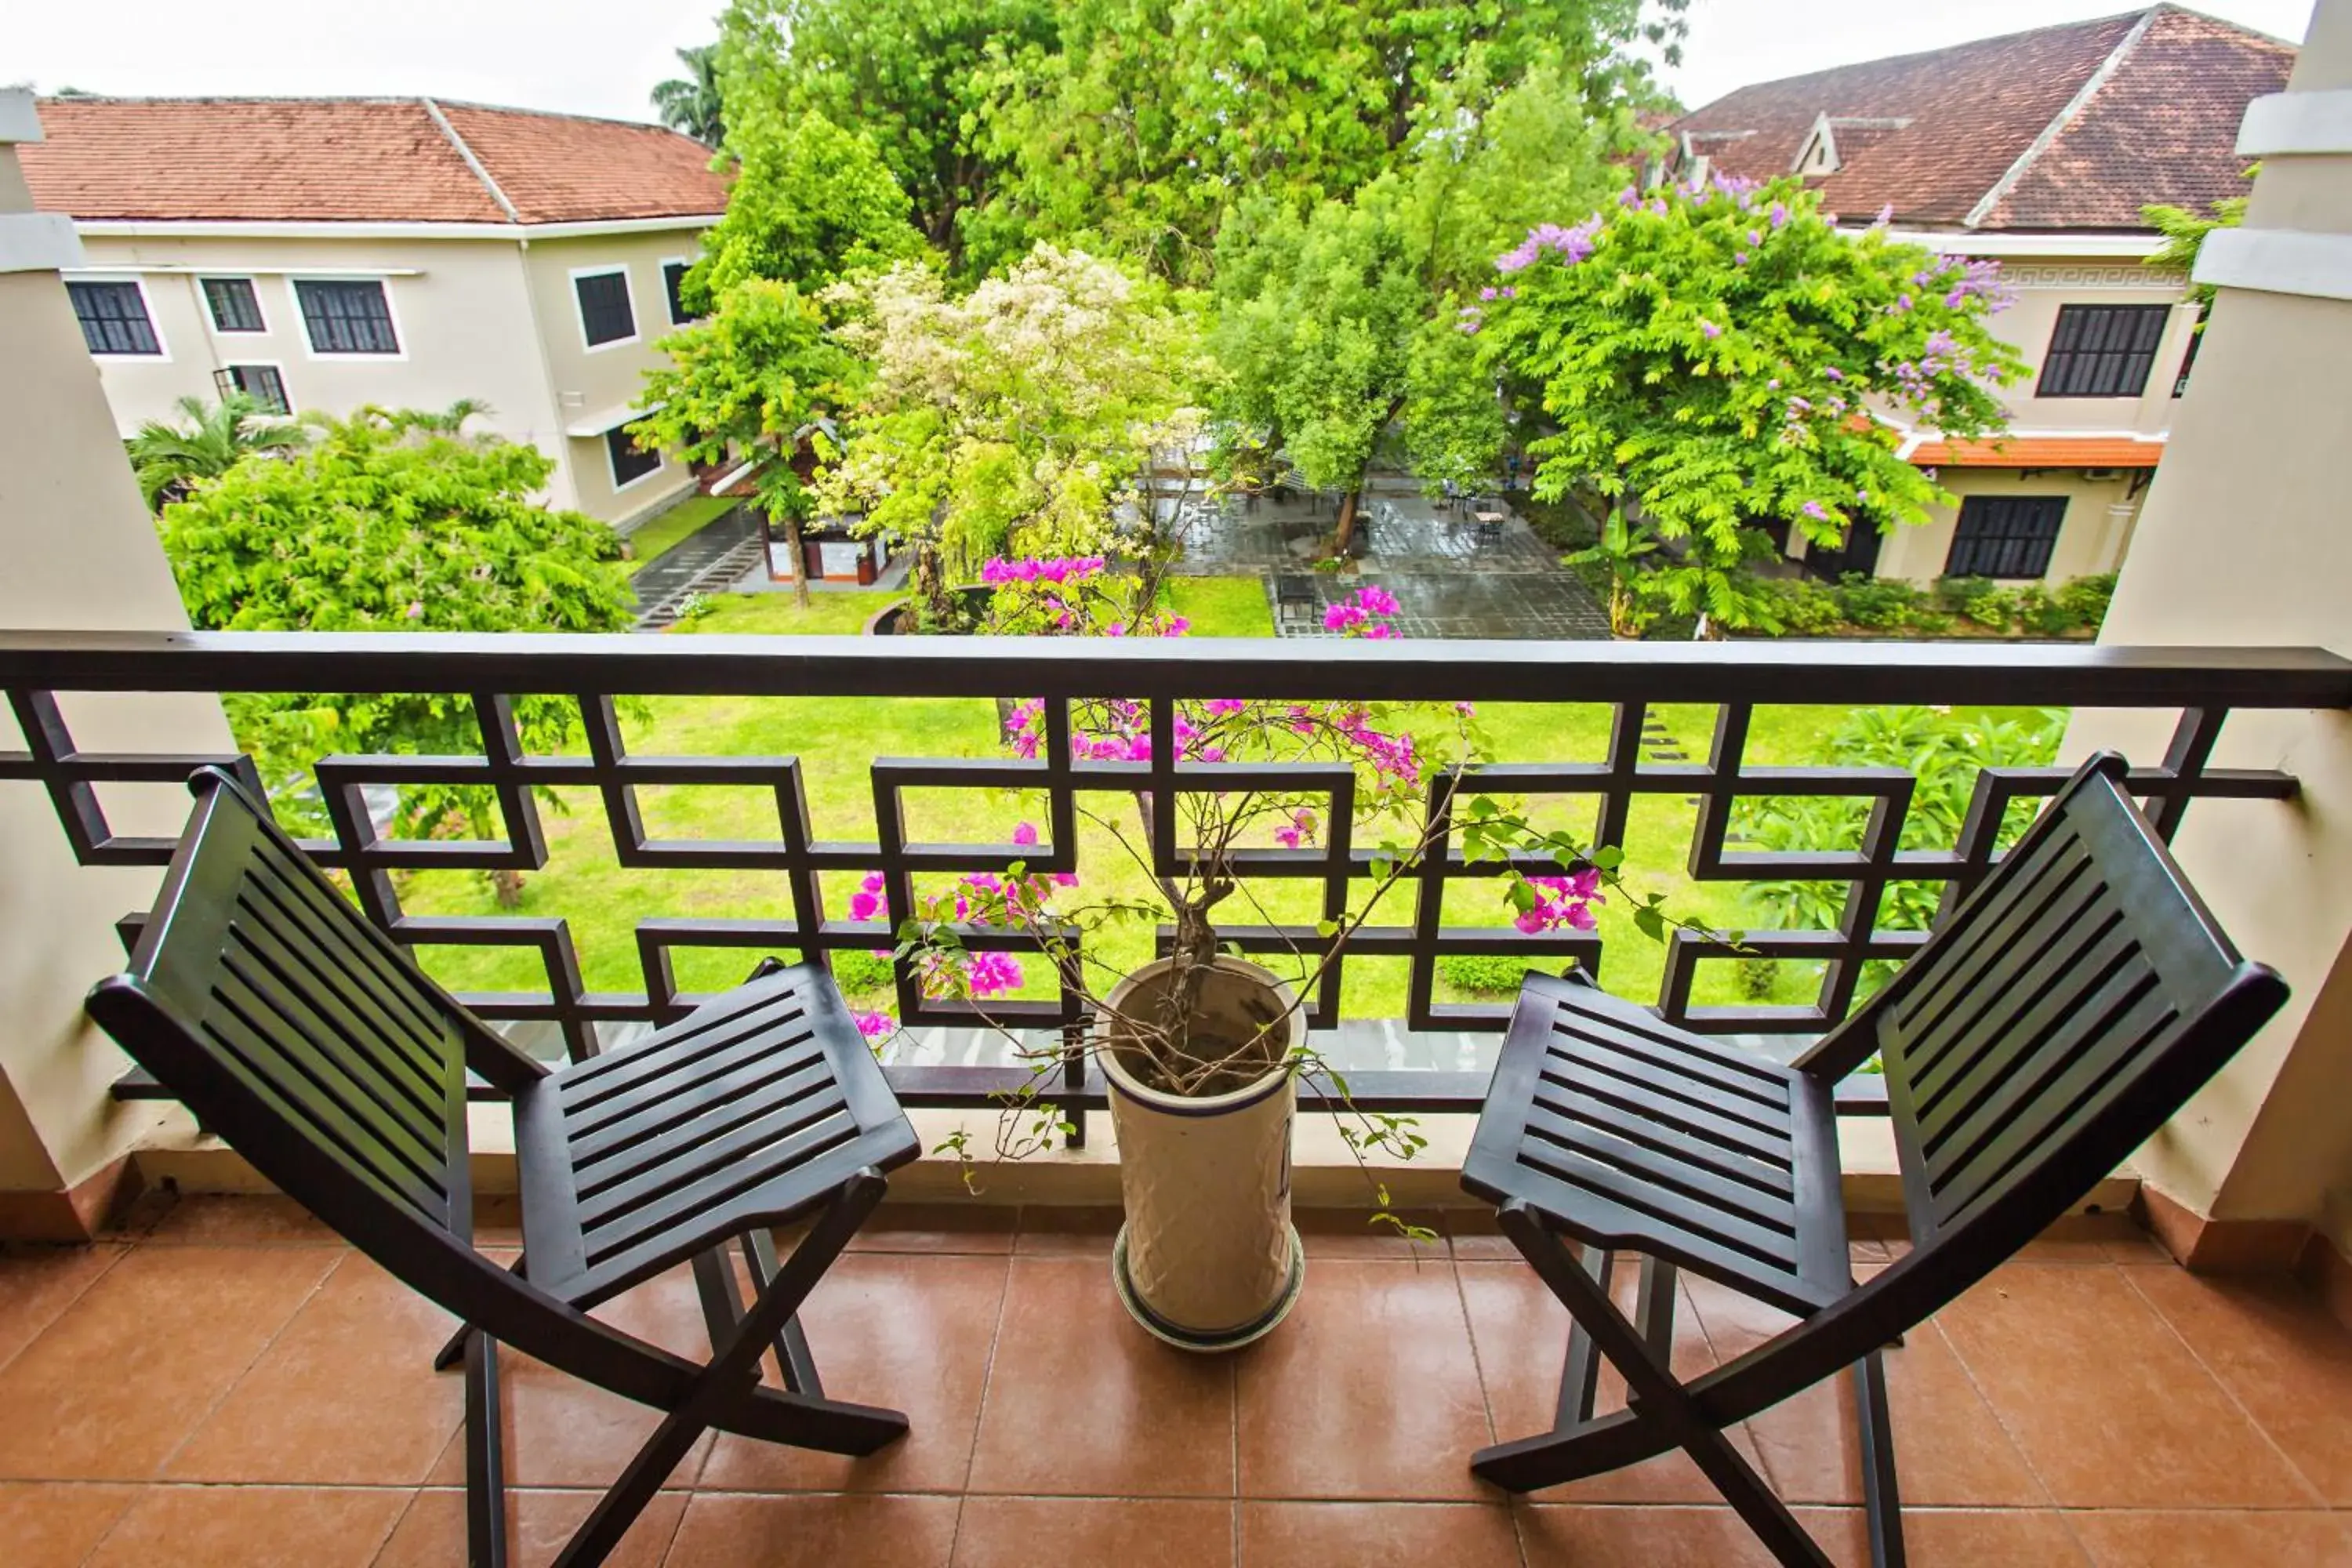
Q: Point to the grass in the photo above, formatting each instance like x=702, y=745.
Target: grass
x=665, y=530
x=835, y=739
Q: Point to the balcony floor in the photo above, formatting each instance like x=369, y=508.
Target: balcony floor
x=225, y=1383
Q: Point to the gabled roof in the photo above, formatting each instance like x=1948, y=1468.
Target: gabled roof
x=311, y=160
x=2070, y=126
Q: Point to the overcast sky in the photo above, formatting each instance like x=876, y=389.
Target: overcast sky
x=602, y=57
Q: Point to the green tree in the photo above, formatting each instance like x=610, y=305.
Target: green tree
x=690, y=104
x=172, y=460
x=905, y=72
x=386, y=524
x=812, y=203
x=2184, y=239
x=1143, y=121
x=1015, y=418
x=752, y=379
x=1725, y=356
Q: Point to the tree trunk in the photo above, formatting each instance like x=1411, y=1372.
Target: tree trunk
x=1345, y=537
x=800, y=557
x=506, y=887
x=930, y=583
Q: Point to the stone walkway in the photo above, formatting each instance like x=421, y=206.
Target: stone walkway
x=703, y=562
x=1453, y=576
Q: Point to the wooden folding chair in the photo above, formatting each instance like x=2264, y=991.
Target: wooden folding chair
x=2058, y=1018
x=315, y=1047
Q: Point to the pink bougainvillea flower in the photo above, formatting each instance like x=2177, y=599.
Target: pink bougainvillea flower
x=875, y=1025
x=1024, y=833
x=989, y=974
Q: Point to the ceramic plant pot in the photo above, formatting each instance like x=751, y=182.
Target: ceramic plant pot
x=1207, y=1259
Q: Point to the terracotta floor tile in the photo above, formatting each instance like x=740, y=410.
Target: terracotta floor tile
x=1521, y=1333
x=562, y=1432
x=221, y=1219
x=1081, y=1401
x=1577, y=1535
x=1377, y=1536
x=2274, y=1346
x=251, y=1527
x=119, y=1381
x=2109, y=1409
x=2119, y=1539
x=1977, y=1538
x=1370, y=1390
x=730, y=1529
x=1129, y=1532
x=1949, y=1450
x=346, y=1394
x=908, y=1333
x=1067, y=1231
x=38, y=1282
x=431, y=1533
x=54, y=1524
x=967, y=1226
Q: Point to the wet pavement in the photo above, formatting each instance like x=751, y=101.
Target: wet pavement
x=703, y=562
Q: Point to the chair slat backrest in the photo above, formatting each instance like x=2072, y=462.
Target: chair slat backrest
x=2060, y=1017
x=300, y=1032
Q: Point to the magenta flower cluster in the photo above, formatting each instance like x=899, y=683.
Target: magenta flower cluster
x=1363, y=615
x=1056, y=569
x=1572, y=244
x=1562, y=902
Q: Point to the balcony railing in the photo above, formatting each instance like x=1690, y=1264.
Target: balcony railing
x=2201, y=685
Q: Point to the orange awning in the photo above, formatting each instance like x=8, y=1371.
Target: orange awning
x=2040, y=452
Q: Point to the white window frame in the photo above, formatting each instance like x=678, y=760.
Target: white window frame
x=205, y=305
x=232, y=366
x=661, y=463
x=302, y=322
x=163, y=355
x=628, y=287
x=666, y=263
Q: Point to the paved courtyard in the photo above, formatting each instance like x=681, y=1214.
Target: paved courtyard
x=1453, y=576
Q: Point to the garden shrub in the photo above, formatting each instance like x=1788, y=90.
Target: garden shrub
x=2040, y=615
x=1757, y=976
x=1980, y=600
x=1483, y=973
x=862, y=972
x=2085, y=599
x=1887, y=604
x=1798, y=606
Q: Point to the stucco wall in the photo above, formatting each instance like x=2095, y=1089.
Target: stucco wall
x=2100, y=515
x=2042, y=288
x=2243, y=541
x=80, y=551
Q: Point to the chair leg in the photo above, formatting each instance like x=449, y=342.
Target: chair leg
x=486, y=1471
x=1653, y=1395
x=734, y=1372
x=1882, y=1503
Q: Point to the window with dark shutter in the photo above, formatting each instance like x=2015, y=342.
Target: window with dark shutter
x=235, y=306
x=673, y=280
x=347, y=318
x=113, y=317
x=628, y=463
x=2102, y=350
x=2005, y=536
x=2188, y=363
x=262, y=383
x=604, y=313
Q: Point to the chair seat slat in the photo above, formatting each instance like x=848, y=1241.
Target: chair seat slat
x=369, y=958
x=2037, y=959
x=684, y=1076
x=621, y=1152
x=1666, y=1094
x=1695, y=1183
x=591, y=1083
x=696, y=1187
x=2046, y=874
x=1669, y=1112
x=1765, y=1167
x=1762, y=1095
x=747, y=1141
x=1694, y=1220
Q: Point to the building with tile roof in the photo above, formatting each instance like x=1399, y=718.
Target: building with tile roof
x=329, y=253
x=2038, y=149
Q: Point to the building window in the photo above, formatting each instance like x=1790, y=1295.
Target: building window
x=605, y=316
x=2102, y=350
x=347, y=318
x=2005, y=536
x=262, y=383
x=235, y=306
x=2188, y=363
x=629, y=464
x=673, y=280
x=113, y=317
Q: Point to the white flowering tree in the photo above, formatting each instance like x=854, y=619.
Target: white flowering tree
x=1014, y=420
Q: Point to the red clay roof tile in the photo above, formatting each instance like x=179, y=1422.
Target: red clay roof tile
x=355, y=159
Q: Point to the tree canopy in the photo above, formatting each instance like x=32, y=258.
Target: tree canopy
x=1725, y=354
x=812, y=204
x=690, y=104
x=172, y=460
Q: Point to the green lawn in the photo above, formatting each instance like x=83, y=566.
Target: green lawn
x=836, y=738
x=661, y=532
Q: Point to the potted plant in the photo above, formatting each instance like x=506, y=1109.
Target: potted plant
x=1202, y=1048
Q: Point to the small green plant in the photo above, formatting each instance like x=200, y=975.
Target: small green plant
x=694, y=606
x=862, y=973
x=1798, y=607
x=1483, y=973
x=1980, y=600
x=1887, y=604
x=2085, y=599
x=1757, y=977
x=2042, y=616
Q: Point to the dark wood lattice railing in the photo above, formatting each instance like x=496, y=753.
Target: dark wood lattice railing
x=2200, y=686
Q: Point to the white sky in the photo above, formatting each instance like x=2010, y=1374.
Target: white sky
x=602, y=57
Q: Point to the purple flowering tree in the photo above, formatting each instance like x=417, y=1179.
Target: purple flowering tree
x=1728, y=356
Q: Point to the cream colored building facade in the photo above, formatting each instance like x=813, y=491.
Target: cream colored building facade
x=491, y=317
